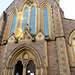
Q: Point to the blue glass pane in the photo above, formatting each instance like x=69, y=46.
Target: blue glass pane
x=13, y=24
x=32, y=20
x=25, y=19
x=46, y=26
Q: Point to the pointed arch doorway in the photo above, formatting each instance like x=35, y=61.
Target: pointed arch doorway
x=23, y=59
x=31, y=69
x=18, y=68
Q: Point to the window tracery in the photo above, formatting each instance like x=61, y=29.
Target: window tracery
x=32, y=20
x=25, y=19
x=29, y=17
x=13, y=24
x=46, y=19
x=46, y=25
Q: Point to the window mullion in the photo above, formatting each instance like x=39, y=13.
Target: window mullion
x=29, y=17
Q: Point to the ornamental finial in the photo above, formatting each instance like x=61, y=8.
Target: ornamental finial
x=26, y=26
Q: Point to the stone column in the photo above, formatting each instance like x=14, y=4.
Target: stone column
x=5, y=71
x=38, y=71
x=39, y=27
x=62, y=56
x=10, y=70
x=24, y=70
x=13, y=71
x=60, y=42
x=29, y=15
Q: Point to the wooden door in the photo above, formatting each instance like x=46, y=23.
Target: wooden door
x=30, y=69
x=18, y=68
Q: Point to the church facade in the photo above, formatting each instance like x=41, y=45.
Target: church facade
x=36, y=39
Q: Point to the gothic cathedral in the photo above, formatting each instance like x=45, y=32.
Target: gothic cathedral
x=36, y=39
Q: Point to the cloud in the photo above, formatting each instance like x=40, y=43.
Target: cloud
x=68, y=8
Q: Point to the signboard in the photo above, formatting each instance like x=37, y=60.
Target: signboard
x=17, y=73
x=28, y=71
x=31, y=73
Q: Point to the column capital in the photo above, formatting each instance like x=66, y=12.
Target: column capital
x=9, y=67
x=24, y=65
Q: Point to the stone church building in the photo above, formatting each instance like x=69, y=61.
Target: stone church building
x=36, y=39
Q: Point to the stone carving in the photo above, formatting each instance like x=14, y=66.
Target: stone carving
x=12, y=39
x=40, y=36
x=25, y=35
x=27, y=27
x=25, y=56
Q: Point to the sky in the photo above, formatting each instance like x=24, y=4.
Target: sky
x=68, y=6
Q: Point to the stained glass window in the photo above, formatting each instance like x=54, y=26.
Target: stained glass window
x=46, y=25
x=25, y=19
x=32, y=20
x=13, y=24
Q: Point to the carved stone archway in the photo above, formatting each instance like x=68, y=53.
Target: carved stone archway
x=24, y=53
x=71, y=49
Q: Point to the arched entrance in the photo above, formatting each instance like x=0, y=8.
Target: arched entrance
x=22, y=59
x=31, y=69
x=18, y=68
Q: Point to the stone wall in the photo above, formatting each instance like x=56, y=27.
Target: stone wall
x=68, y=26
x=53, y=68
x=17, y=4
x=2, y=25
x=72, y=71
x=53, y=58
x=39, y=46
x=2, y=50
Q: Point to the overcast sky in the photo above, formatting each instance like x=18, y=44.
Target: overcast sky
x=68, y=7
